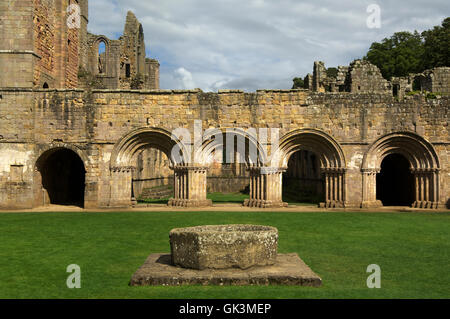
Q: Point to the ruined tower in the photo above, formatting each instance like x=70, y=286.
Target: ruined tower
x=45, y=44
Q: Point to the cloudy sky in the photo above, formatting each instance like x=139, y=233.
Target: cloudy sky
x=256, y=44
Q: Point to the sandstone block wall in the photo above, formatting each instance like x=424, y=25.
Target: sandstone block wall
x=92, y=124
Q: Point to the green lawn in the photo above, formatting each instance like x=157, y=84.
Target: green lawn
x=412, y=249
x=238, y=198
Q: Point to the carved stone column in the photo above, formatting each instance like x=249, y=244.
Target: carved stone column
x=426, y=182
x=265, y=187
x=334, y=187
x=190, y=187
x=369, y=189
x=121, y=188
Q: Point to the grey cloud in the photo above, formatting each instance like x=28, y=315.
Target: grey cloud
x=257, y=43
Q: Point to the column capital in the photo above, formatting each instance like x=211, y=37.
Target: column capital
x=264, y=170
x=189, y=168
x=333, y=169
x=122, y=169
x=370, y=170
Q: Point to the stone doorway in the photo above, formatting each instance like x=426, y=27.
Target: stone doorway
x=303, y=181
x=62, y=176
x=395, y=182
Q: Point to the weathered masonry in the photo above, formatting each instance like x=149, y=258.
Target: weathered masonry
x=83, y=122
x=75, y=146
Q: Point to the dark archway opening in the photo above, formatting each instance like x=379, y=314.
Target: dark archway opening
x=395, y=182
x=303, y=181
x=45, y=86
x=63, y=177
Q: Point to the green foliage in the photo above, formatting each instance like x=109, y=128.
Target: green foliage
x=432, y=96
x=136, y=82
x=89, y=80
x=299, y=83
x=332, y=72
x=227, y=197
x=414, y=92
x=405, y=52
x=398, y=55
x=436, y=46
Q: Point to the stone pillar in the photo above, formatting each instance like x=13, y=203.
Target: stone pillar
x=369, y=189
x=426, y=188
x=265, y=187
x=189, y=187
x=120, y=183
x=334, y=187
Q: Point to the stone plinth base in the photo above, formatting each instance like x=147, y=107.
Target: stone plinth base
x=421, y=204
x=332, y=204
x=289, y=270
x=264, y=203
x=189, y=202
x=373, y=204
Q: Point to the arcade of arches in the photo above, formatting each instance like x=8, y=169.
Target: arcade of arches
x=399, y=169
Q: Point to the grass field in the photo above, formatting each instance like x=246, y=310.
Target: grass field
x=412, y=249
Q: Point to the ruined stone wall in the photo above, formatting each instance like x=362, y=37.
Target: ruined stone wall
x=35, y=48
x=152, y=80
x=131, y=51
x=92, y=123
x=366, y=77
x=17, y=56
x=436, y=80
x=44, y=44
x=83, y=35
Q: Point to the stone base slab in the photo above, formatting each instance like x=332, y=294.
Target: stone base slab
x=189, y=203
x=264, y=203
x=289, y=270
x=372, y=204
x=332, y=204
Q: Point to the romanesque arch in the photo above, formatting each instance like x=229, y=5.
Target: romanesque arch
x=423, y=164
x=239, y=147
x=60, y=176
x=331, y=159
x=121, y=164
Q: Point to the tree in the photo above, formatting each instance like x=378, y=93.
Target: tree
x=299, y=83
x=332, y=72
x=436, y=46
x=398, y=55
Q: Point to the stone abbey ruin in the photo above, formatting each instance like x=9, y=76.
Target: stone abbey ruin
x=83, y=122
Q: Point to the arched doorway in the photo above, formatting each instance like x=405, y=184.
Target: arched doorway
x=62, y=178
x=302, y=180
x=319, y=161
x=392, y=155
x=236, y=156
x=124, y=163
x=395, y=182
